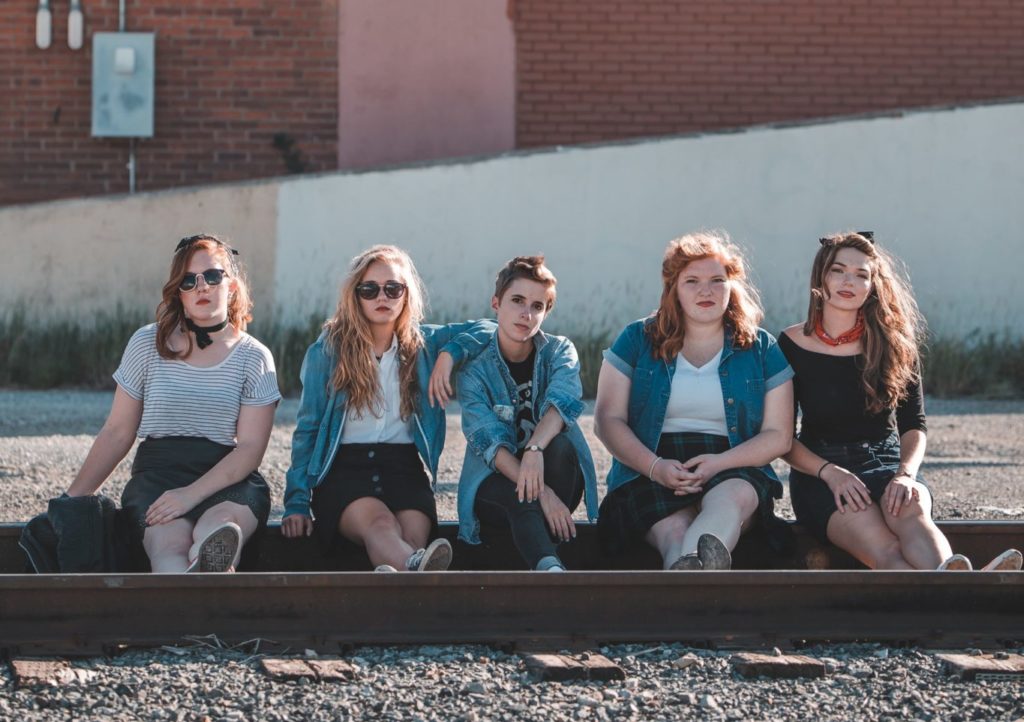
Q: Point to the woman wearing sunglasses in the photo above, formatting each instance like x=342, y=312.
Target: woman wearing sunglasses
x=862, y=437
x=371, y=422
x=693, y=402
x=201, y=393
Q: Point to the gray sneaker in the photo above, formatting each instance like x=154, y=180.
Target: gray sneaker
x=687, y=563
x=435, y=558
x=385, y=568
x=713, y=553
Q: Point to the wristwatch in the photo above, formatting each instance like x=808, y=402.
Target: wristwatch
x=534, y=447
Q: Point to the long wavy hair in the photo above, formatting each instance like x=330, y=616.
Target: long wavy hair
x=170, y=313
x=351, y=341
x=894, y=328
x=743, y=312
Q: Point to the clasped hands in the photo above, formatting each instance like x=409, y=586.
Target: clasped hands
x=686, y=477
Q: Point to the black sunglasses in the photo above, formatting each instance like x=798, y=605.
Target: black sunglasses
x=212, y=276
x=371, y=289
x=869, y=236
x=188, y=241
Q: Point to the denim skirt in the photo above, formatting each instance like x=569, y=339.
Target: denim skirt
x=874, y=462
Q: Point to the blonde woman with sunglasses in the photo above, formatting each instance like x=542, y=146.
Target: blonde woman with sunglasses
x=371, y=422
x=201, y=393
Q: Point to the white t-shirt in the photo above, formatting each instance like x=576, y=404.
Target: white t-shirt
x=389, y=427
x=695, y=403
x=179, y=399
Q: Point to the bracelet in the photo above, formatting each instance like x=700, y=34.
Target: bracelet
x=822, y=469
x=650, y=472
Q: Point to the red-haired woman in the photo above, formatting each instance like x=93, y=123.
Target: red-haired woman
x=693, y=402
x=862, y=436
x=201, y=392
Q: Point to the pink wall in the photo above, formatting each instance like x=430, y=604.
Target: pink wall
x=424, y=79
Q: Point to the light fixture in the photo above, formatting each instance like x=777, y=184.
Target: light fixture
x=76, y=25
x=43, y=25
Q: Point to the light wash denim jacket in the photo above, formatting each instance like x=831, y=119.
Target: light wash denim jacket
x=487, y=394
x=321, y=415
x=746, y=376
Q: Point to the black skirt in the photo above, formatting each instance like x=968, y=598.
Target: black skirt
x=176, y=461
x=628, y=512
x=392, y=473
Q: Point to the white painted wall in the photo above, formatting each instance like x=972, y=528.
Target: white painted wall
x=943, y=190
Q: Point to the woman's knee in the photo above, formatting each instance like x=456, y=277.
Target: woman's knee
x=175, y=538
x=736, y=493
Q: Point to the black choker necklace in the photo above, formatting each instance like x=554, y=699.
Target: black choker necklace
x=203, y=332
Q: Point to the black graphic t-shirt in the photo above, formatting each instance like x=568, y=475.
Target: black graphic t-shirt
x=522, y=374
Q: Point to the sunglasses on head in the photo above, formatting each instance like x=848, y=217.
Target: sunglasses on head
x=212, y=276
x=869, y=236
x=371, y=289
x=188, y=241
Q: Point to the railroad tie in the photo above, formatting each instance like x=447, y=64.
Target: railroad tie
x=566, y=668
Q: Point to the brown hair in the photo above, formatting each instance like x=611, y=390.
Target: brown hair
x=893, y=325
x=351, y=341
x=531, y=268
x=743, y=313
x=170, y=314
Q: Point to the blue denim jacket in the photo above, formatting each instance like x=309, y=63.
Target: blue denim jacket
x=487, y=394
x=322, y=408
x=746, y=376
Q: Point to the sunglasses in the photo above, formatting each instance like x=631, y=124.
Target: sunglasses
x=371, y=289
x=212, y=276
x=869, y=236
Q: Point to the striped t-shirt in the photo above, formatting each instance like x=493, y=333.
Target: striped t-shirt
x=183, y=400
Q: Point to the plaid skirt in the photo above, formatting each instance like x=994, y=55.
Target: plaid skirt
x=628, y=512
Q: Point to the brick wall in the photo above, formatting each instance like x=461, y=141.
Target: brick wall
x=607, y=69
x=231, y=74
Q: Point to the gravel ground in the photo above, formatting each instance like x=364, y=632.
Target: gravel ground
x=973, y=464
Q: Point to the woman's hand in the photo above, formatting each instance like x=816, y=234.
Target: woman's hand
x=847, y=488
x=902, y=490
x=296, y=525
x=672, y=474
x=704, y=466
x=558, y=515
x=439, y=388
x=171, y=505
x=531, y=476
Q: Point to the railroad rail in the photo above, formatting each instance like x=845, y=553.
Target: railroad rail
x=780, y=604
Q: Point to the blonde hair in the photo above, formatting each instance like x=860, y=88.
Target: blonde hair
x=893, y=326
x=170, y=313
x=350, y=340
x=743, y=313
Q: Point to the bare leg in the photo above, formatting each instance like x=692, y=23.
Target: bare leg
x=415, y=527
x=667, y=535
x=369, y=522
x=219, y=514
x=921, y=542
x=167, y=546
x=725, y=511
x=865, y=535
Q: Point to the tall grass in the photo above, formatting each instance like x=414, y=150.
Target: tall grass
x=53, y=353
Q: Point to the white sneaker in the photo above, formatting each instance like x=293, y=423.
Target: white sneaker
x=219, y=551
x=435, y=558
x=1009, y=561
x=956, y=563
x=385, y=568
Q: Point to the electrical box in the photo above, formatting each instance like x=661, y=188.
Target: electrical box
x=123, y=93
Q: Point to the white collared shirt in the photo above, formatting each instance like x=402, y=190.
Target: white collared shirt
x=389, y=428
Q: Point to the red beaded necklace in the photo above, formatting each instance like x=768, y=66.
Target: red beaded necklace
x=846, y=337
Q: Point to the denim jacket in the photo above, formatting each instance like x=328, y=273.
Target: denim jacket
x=746, y=376
x=322, y=408
x=487, y=394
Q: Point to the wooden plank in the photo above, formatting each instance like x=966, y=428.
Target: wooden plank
x=786, y=666
x=566, y=668
x=35, y=672
x=321, y=670
x=983, y=666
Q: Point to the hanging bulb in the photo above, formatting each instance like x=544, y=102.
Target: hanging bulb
x=43, y=25
x=76, y=25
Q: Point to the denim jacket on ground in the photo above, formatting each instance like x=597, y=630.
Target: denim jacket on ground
x=747, y=375
x=322, y=408
x=487, y=394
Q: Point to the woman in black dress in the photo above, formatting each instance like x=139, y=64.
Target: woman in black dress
x=855, y=464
